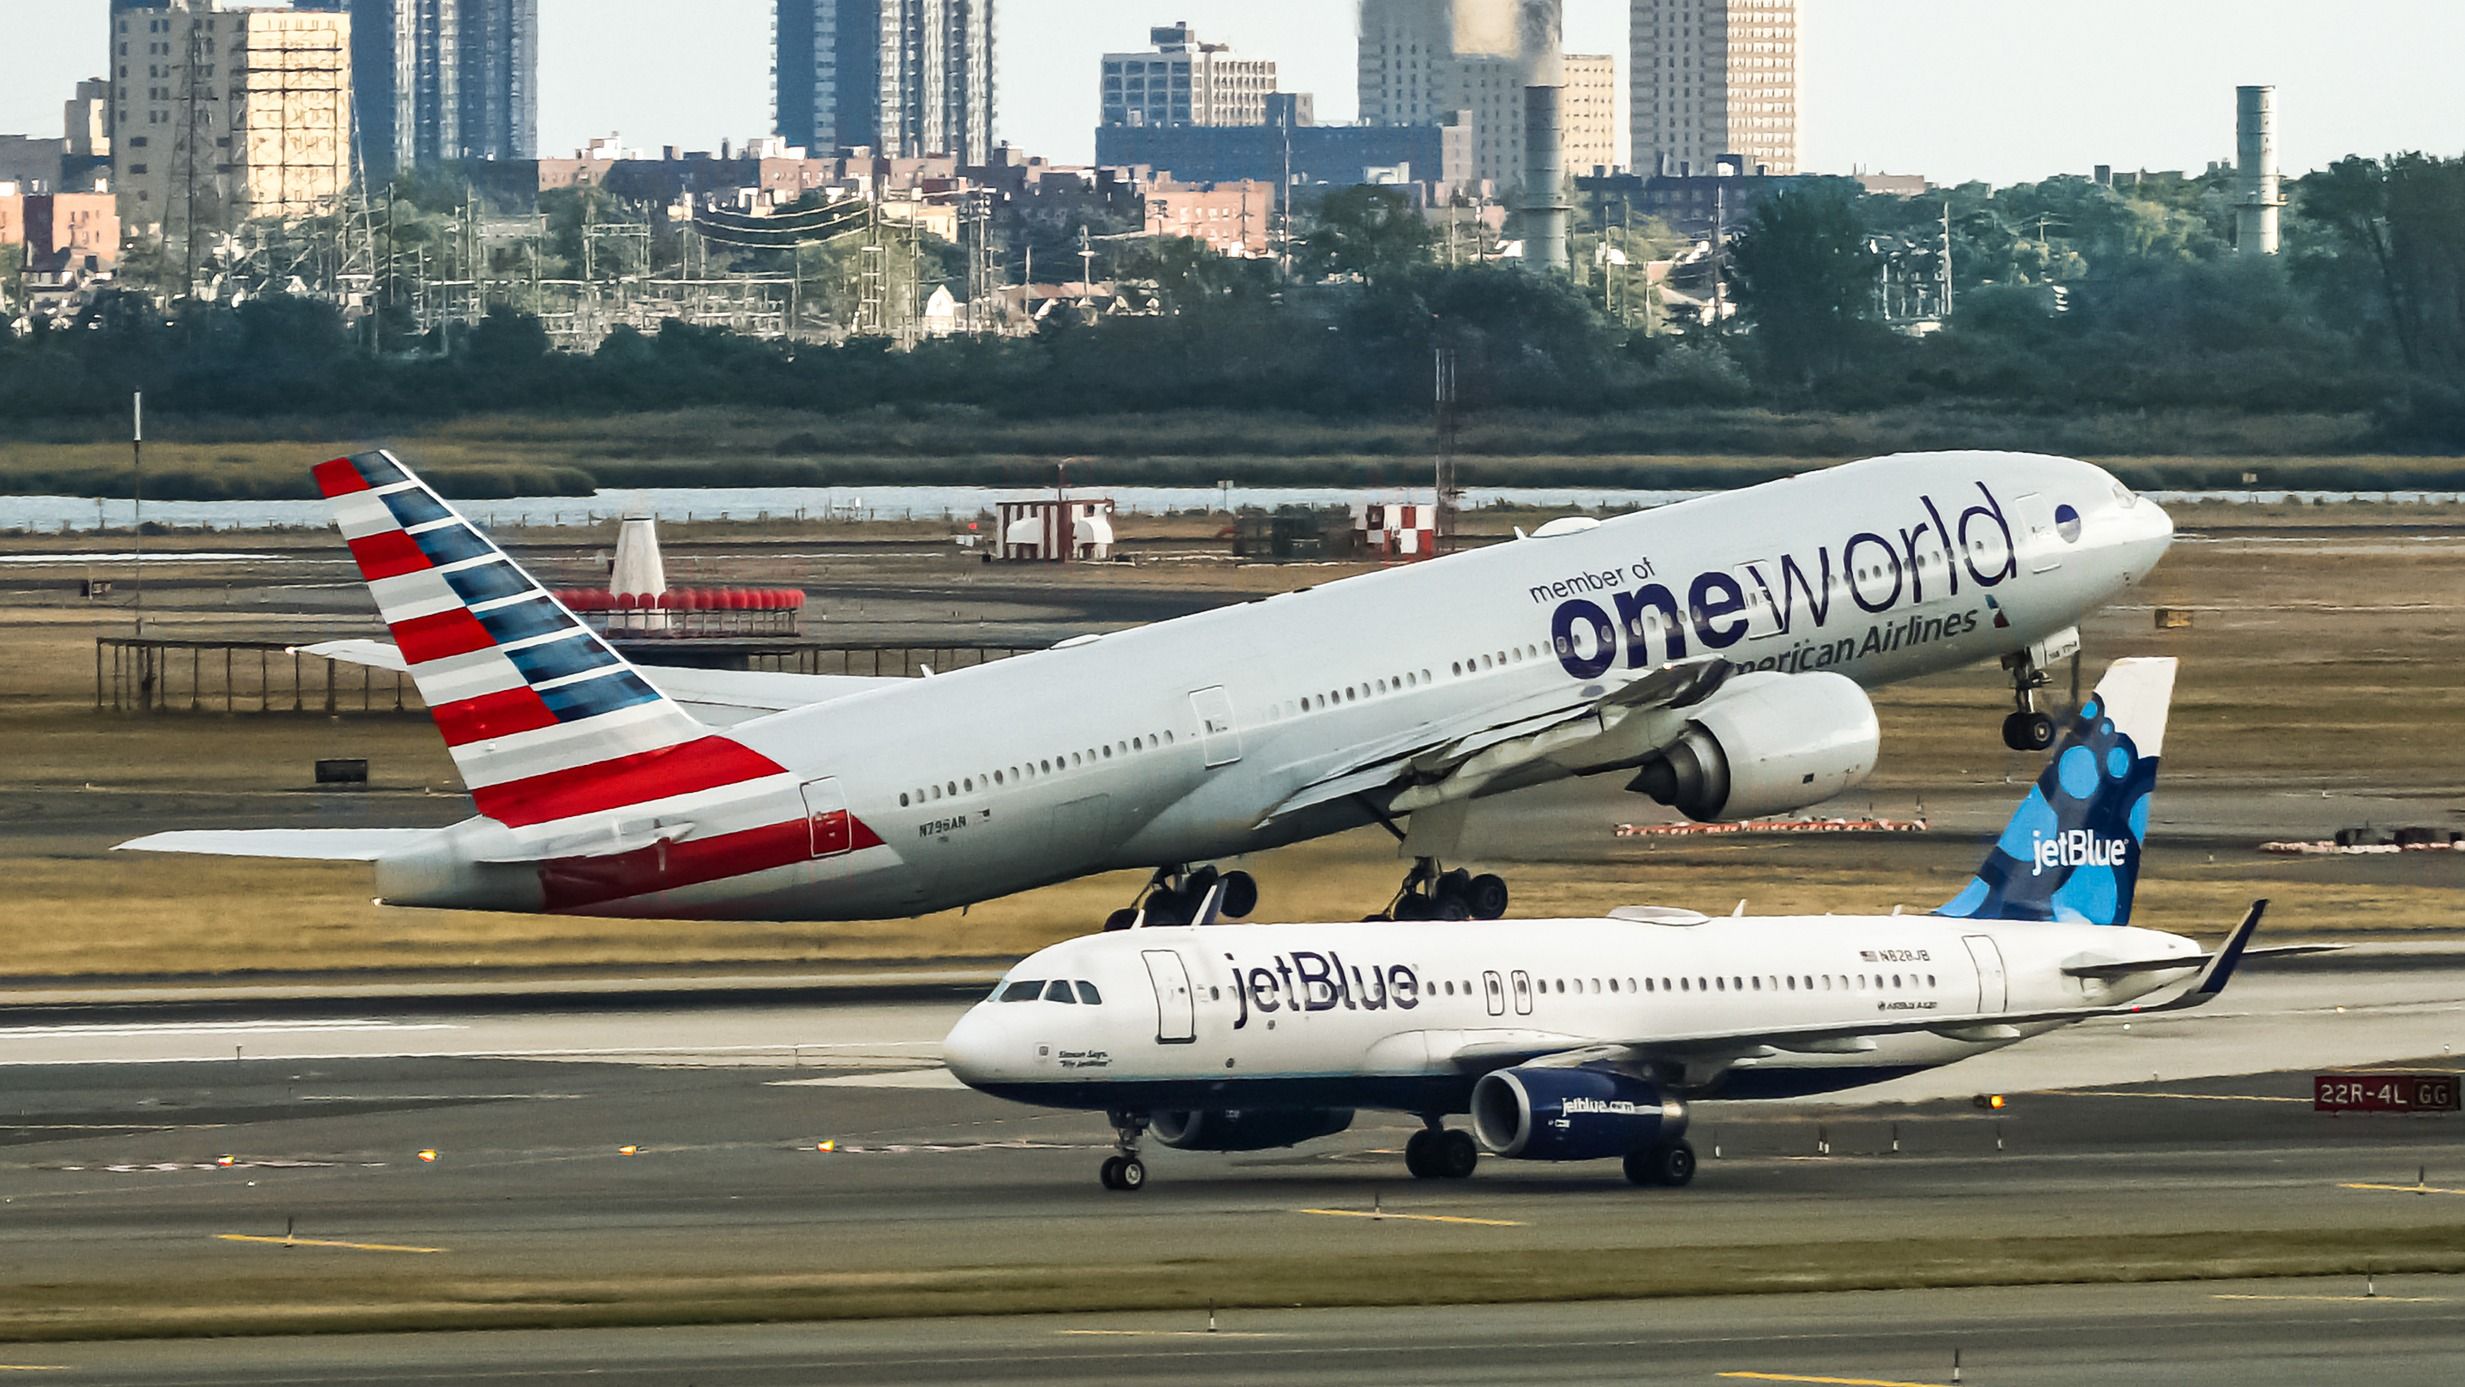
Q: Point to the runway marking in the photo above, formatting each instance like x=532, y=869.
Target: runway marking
x=1831, y=1381
x=1413, y=1218
x=2401, y=1189
x=33, y=1367
x=280, y=1241
x=2392, y=1299
x=2186, y=1097
x=1166, y=1334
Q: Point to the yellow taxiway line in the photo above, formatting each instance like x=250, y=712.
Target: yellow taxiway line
x=1829, y=1381
x=2401, y=1189
x=1413, y=1218
x=280, y=1241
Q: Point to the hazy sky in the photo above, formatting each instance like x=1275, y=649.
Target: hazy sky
x=1954, y=89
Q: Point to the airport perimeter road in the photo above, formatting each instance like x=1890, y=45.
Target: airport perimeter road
x=2225, y=1334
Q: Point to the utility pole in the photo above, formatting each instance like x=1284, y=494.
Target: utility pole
x=1086, y=266
x=1720, y=255
x=1450, y=495
x=137, y=489
x=2041, y=235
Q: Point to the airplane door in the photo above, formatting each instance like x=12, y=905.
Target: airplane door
x=1761, y=583
x=1493, y=991
x=1993, y=986
x=2037, y=513
x=1523, y=993
x=1175, y=1022
x=826, y=817
x=1217, y=733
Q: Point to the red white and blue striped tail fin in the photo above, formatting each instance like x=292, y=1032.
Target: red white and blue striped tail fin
x=544, y=720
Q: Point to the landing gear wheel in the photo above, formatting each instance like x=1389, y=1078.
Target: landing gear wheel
x=1486, y=894
x=2029, y=731
x=1120, y=919
x=1453, y=907
x=1417, y=1155
x=1453, y=1155
x=1240, y=895
x=1110, y=1172
x=1125, y=1172
x=1414, y=907
x=1132, y=1177
x=1670, y=1165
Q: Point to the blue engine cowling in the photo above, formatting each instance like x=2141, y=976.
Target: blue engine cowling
x=1542, y=1114
x=1245, y=1129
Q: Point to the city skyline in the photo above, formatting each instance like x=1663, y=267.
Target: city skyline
x=1972, y=91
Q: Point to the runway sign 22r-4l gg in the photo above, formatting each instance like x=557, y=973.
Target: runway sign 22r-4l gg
x=2384, y=1093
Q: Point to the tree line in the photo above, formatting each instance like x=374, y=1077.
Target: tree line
x=2070, y=295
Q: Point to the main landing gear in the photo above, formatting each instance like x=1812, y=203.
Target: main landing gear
x=1126, y=1173
x=2027, y=729
x=1668, y=1163
x=1174, y=895
x=1434, y=1153
x=1431, y=894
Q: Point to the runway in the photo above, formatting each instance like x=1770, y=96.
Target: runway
x=219, y=1167
x=2231, y=1334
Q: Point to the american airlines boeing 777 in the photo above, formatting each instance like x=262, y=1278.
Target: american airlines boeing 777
x=1716, y=652
x=1581, y=1039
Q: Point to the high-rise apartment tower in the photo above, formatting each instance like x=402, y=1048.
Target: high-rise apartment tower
x=1712, y=77
x=442, y=79
x=904, y=78
x=1184, y=82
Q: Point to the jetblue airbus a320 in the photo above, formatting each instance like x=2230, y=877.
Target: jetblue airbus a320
x=1569, y=1040
x=1715, y=652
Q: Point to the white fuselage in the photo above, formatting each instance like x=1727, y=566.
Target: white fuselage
x=1173, y=743
x=1384, y=1015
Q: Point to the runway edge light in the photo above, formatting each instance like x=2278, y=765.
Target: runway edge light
x=427, y=1155
x=1992, y=1102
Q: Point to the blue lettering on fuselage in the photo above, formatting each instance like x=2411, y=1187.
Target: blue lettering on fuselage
x=1880, y=570
x=1307, y=980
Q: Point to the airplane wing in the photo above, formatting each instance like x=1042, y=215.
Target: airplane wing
x=719, y=697
x=1600, y=724
x=1854, y=1037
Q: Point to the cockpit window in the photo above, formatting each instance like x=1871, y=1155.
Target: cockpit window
x=1087, y=993
x=1059, y=991
x=1022, y=991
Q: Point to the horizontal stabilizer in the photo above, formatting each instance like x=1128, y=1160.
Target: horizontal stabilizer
x=719, y=697
x=297, y=844
x=2180, y=961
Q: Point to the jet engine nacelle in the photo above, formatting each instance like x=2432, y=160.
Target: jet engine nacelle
x=1245, y=1129
x=1766, y=744
x=1544, y=1114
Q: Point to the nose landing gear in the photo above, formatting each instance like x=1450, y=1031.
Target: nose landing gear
x=1429, y=893
x=2027, y=729
x=1125, y=1173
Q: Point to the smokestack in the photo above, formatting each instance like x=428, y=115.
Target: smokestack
x=1541, y=68
x=2255, y=161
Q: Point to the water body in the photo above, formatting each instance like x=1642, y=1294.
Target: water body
x=64, y=514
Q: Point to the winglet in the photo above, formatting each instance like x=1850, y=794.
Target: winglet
x=2212, y=979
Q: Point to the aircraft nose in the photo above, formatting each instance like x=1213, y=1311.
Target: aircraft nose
x=2156, y=535
x=972, y=1049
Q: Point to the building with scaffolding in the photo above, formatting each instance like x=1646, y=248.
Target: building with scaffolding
x=901, y=78
x=224, y=115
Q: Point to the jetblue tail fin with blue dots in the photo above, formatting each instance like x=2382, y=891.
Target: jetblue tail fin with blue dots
x=2072, y=851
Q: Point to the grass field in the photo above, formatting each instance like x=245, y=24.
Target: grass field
x=305, y=1301
x=506, y=455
